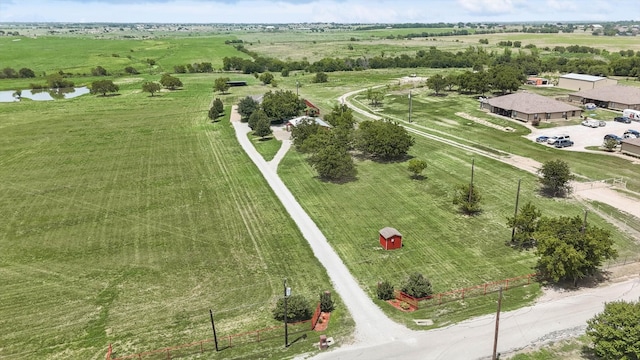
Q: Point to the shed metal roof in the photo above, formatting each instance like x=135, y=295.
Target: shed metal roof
x=389, y=232
x=583, y=77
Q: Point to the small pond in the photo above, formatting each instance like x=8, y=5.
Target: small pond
x=44, y=94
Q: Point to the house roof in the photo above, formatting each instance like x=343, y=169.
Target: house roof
x=295, y=121
x=530, y=103
x=389, y=232
x=635, y=141
x=582, y=77
x=614, y=93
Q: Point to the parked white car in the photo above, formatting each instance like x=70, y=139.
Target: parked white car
x=591, y=123
x=552, y=140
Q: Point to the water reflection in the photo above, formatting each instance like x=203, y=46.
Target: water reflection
x=43, y=94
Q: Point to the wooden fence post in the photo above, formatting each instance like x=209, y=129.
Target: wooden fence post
x=507, y=287
x=485, y=289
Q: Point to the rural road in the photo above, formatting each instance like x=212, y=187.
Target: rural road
x=372, y=325
x=378, y=337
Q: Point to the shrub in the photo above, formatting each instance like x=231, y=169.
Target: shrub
x=326, y=304
x=385, y=290
x=298, y=309
x=417, y=286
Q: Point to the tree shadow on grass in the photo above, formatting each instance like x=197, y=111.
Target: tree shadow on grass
x=418, y=177
x=440, y=95
x=588, y=282
x=340, y=181
x=109, y=95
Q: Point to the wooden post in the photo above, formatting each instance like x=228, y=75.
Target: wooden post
x=513, y=229
x=410, y=105
x=473, y=162
x=213, y=326
x=584, y=223
x=495, y=339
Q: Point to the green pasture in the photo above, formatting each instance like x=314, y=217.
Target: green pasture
x=128, y=217
x=78, y=55
x=296, y=45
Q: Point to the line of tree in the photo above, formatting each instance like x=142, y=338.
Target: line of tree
x=203, y=67
x=477, y=57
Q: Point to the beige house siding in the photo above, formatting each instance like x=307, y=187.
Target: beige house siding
x=578, y=85
x=631, y=148
x=619, y=106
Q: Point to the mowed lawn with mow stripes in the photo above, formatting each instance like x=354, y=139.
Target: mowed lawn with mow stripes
x=126, y=218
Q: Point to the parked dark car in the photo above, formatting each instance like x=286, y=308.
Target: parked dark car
x=622, y=119
x=563, y=143
x=542, y=139
x=617, y=138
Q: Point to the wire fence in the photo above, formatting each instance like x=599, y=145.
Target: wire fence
x=460, y=294
x=224, y=341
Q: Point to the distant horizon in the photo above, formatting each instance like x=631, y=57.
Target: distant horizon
x=581, y=22
x=316, y=11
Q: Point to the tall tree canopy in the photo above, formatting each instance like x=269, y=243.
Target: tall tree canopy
x=170, y=82
x=282, y=105
x=246, y=107
x=555, y=177
x=568, y=252
x=436, y=83
x=151, y=87
x=103, y=87
x=525, y=224
x=615, y=332
x=221, y=85
x=385, y=140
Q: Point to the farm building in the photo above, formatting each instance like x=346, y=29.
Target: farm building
x=616, y=97
x=295, y=121
x=311, y=109
x=390, y=238
x=536, y=81
x=579, y=82
x=630, y=147
x=525, y=106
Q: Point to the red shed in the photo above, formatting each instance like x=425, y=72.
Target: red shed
x=390, y=238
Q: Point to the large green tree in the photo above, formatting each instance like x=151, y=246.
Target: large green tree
x=221, y=85
x=246, y=107
x=303, y=130
x=151, y=87
x=103, y=87
x=615, y=332
x=266, y=78
x=282, y=105
x=262, y=128
x=555, y=178
x=170, y=82
x=436, y=83
x=341, y=116
x=256, y=117
x=329, y=156
x=506, y=78
x=525, y=224
x=385, y=140
x=567, y=251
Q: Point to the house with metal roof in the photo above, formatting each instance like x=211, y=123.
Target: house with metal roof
x=579, y=82
x=296, y=121
x=525, y=106
x=616, y=97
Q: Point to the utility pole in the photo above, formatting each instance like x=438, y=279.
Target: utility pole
x=473, y=162
x=410, y=105
x=513, y=229
x=297, y=86
x=495, y=339
x=213, y=326
x=584, y=223
x=286, y=333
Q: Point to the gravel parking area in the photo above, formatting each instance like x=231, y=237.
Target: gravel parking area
x=583, y=136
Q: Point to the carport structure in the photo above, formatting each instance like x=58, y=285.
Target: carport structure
x=525, y=106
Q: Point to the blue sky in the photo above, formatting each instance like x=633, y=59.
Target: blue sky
x=296, y=11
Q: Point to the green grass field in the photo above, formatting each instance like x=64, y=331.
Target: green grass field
x=78, y=55
x=127, y=218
